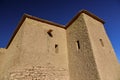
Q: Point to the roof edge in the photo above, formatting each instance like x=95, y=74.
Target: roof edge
x=44, y=21
x=50, y=22
x=86, y=12
x=16, y=30
x=34, y=18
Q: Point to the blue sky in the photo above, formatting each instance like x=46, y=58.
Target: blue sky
x=60, y=11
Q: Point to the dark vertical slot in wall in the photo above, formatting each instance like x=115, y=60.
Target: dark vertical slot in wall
x=78, y=44
x=56, y=48
x=101, y=41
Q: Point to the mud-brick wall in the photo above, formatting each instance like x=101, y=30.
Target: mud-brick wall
x=81, y=59
x=33, y=46
x=2, y=62
x=103, y=51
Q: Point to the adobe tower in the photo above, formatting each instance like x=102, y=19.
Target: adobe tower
x=43, y=50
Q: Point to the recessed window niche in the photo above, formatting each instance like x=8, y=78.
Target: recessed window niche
x=78, y=44
x=50, y=33
x=56, y=48
x=101, y=42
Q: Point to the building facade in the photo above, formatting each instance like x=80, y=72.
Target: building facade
x=43, y=50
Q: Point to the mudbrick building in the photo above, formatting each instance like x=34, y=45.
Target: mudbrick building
x=43, y=50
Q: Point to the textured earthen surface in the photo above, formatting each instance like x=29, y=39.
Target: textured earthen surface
x=103, y=52
x=81, y=61
x=32, y=46
x=2, y=60
x=42, y=50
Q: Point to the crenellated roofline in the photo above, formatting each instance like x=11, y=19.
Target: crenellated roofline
x=51, y=23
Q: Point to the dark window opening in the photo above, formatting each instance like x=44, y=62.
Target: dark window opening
x=56, y=45
x=101, y=41
x=50, y=33
x=78, y=44
x=56, y=48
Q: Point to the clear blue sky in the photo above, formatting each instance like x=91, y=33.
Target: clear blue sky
x=60, y=11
